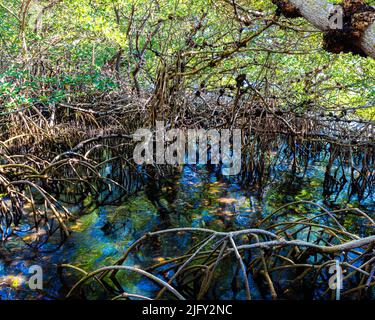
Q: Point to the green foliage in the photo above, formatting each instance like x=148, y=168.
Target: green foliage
x=71, y=45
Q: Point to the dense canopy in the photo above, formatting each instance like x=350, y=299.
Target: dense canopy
x=294, y=78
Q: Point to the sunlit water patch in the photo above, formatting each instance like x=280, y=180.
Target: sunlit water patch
x=197, y=197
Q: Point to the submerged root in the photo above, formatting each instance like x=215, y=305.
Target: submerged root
x=86, y=155
x=277, y=257
x=33, y=191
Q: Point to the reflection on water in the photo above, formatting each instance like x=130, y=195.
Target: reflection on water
x=196, y=197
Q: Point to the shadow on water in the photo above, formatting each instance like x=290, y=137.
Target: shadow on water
x=191, y=196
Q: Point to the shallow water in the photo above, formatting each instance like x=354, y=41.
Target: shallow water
x=196, y=197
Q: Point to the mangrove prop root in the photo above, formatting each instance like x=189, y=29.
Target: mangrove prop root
x=263, y=256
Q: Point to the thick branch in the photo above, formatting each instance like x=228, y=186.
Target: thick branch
x=354, y=37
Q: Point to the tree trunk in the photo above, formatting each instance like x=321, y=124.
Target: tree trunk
x=318, y=13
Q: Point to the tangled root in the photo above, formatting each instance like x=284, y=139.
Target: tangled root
x=301, y=249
